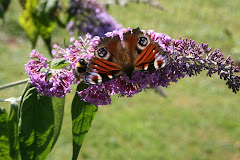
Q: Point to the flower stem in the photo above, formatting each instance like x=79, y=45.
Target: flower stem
x=14, y=83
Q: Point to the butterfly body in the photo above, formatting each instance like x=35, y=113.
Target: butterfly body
x=113, y=57
x=81, y=66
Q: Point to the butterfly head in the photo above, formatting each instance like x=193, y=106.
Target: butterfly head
x=81, y=66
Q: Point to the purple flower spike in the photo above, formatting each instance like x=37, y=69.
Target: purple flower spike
x=187, y=58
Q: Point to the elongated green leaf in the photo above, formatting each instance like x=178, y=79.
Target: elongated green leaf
x=27, y=21
x=37, y=125
x=13, y=121
x=38, y=19
x=59, y=63
x=47, y=42
x=58, y=107
x=4, y=141
x=82, y=116
x=44, y=17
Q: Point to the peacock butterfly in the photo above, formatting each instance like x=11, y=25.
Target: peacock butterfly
x=113, y=57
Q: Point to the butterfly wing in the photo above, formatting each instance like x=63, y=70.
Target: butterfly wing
x=102, y=70
x=103, y=66
x=152, y=57
x=146, y=57
x=147, y=54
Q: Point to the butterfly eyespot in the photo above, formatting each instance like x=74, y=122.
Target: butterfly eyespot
x=161, y=61
x=102, y=53
x=93, y=78
x=142, y=43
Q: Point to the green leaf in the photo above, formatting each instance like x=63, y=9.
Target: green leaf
x=47, y=6
x=82, y=116
x=59, y=63
x=45, y=16
x=13, y=121
x=4, y=142
x=28, y=86
x=27, y=22
x=38, y=19
x=47, y=42
x=37, y=125
x=58, y=107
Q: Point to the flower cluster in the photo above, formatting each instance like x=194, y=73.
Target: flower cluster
x=186, y=59
x=81, y=49
x=48, y=81
x=87, y=16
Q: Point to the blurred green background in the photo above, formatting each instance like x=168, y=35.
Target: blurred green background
x=199, y=119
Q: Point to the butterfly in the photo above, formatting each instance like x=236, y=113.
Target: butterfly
x=113, y=57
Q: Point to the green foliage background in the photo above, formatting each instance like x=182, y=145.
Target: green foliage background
x=199, y=119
